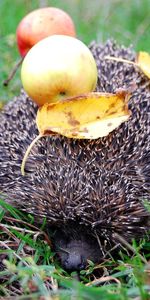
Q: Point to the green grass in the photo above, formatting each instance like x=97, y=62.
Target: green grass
x=30, y=268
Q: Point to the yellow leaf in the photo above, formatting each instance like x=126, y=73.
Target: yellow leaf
x=1, y=105
x=143, y=61
x=87, y=116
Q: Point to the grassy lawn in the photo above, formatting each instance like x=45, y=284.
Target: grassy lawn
x=30, y=264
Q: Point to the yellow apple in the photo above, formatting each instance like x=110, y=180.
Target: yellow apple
x=58, y=67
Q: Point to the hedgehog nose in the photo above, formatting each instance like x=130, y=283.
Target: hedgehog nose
x=74, y=262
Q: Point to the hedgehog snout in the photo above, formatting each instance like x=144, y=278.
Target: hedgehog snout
x=74, y=255
x=74, y=261
x=75, y=250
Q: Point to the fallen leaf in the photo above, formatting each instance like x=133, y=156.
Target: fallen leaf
x=143, y=61
x=87, y=116
x=1, y=105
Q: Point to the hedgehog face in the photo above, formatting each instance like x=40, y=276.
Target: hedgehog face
x=75, y=247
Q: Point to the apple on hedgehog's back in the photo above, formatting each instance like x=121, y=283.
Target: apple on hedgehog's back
x=54, y=69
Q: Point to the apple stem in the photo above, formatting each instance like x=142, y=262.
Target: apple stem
x=12, y=73
x=119, y=59
x=27, y=153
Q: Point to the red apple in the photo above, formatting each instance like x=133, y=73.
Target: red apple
x=42, y=23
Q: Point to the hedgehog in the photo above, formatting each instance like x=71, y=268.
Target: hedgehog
x=91, y=192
